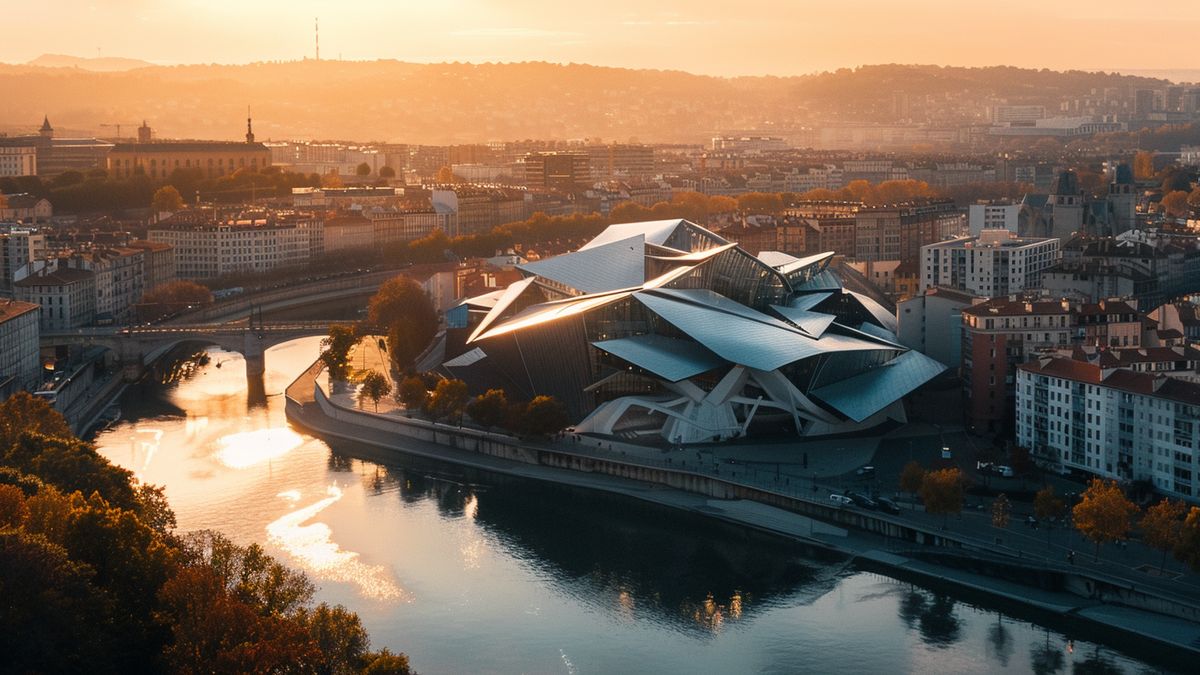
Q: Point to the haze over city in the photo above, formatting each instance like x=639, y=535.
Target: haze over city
x=503, y=336
x=755, y=37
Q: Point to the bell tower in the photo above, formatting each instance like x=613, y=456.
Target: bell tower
x=249, y=127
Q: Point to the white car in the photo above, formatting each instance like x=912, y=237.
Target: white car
x=841, y=500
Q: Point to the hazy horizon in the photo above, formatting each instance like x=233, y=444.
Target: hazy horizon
x=757, y=37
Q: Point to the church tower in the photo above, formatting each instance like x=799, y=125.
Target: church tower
x=249, y=128
x=46, y=131
x=1066, y=207
x=1122, y=200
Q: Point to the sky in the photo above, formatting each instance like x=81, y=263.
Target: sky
x=716, y=37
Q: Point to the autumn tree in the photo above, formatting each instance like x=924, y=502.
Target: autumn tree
x=1161, y=526
x=387, y=172
x=942, y=492
x=363, y=169
x=1143, y=165
x=489, y=409
x=375, y=386
x=1187, y=550
x=172, y=297
x=166, y=200
x=402, y=310
x=544, y=415
x=1001, y=511
x=445, y=176
x=335, y=350
x=1175, y=204
x=413, y=393
x=1048, y=506
x=911, y=477
x=753, y=203
x=447, y=400
x=1103, y=513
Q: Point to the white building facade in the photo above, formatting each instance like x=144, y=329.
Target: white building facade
x=1111, y=422
x=995, y=263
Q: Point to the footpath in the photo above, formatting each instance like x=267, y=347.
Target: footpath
x=1085, y=606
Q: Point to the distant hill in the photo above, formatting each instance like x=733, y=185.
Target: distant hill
x=463, y=103
x=105, y=64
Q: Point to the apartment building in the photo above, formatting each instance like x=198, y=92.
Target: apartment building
x=1112, y=422
x=19, y=348
x=898, y=232
x=67, y=297
x=995, y=263
x=207, y=246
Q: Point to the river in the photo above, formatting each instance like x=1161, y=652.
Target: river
x=471, y=572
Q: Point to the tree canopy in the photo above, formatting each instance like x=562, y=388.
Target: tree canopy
x=402, y=310
x=1103, y=514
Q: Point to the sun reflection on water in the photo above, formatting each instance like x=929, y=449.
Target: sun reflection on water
x=312, y=546
x=245, y=449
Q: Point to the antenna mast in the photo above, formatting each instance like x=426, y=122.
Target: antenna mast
x=317, y=35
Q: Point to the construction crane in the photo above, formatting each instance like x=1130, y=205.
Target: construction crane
x=118, y=127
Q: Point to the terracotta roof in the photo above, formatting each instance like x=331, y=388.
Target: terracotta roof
x=150, y=245
x=1006, y=307
x=1149, y=384
x=10, y=309
x=61, y=277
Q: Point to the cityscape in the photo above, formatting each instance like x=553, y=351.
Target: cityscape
x=530, y=338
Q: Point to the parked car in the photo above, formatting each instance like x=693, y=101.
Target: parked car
x=888, y=506
x=865, y=471
x=862, y=500
x=1006, y=471
x=841, y=500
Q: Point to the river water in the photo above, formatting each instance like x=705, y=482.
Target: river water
x=470, y=572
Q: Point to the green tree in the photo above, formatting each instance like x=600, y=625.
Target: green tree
x=1103, y=513
x=942, y=492
x=489, y=409
x=402, y=310
x=448, y=400
x=413, y=393
x=384, y=662
x=544, y=415
x=166, y=199
x=375, y=386
x=1161, y=526
x=335, y=353
x=363, y=169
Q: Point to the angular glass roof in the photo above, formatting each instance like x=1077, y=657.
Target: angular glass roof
x=871, y=329
x=825, y=280
x=867, y=393
x=884, y=317
x=510, y=295
x=548, y=311
x=813, y=323
x=596, y=269
x=809, y=300
x=747, y=337
x=652, y=232
x=670, y=359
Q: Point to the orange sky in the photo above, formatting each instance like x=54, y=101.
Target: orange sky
x=780, y=37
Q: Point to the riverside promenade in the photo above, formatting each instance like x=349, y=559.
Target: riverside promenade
x=913, y=545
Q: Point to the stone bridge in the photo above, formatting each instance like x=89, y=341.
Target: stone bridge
x=138, y=347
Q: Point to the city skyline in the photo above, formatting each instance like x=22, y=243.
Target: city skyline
x=762, y=37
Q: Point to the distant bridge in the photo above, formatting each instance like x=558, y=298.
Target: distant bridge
x=287, y=296
x=138, y=347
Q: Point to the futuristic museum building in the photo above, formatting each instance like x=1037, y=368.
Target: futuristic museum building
x=665, y=328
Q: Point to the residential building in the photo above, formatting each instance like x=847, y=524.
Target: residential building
x=18, y=160
x=158, y=264
x=19, y=348
x=468, y=209
x=1180, y=316
x=1002, y=333
x=349, y=233
x=931, y=323
x=898, y=232
x=20, y=247
x=1112, y=422
x=992, y=215
x=394, y=225
x=120, y=279
x=67, y=297
x=25, y=208
x=209, y=245
x=994, y=263
x=563, y=170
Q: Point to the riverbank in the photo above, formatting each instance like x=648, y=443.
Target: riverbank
x=870, y=538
